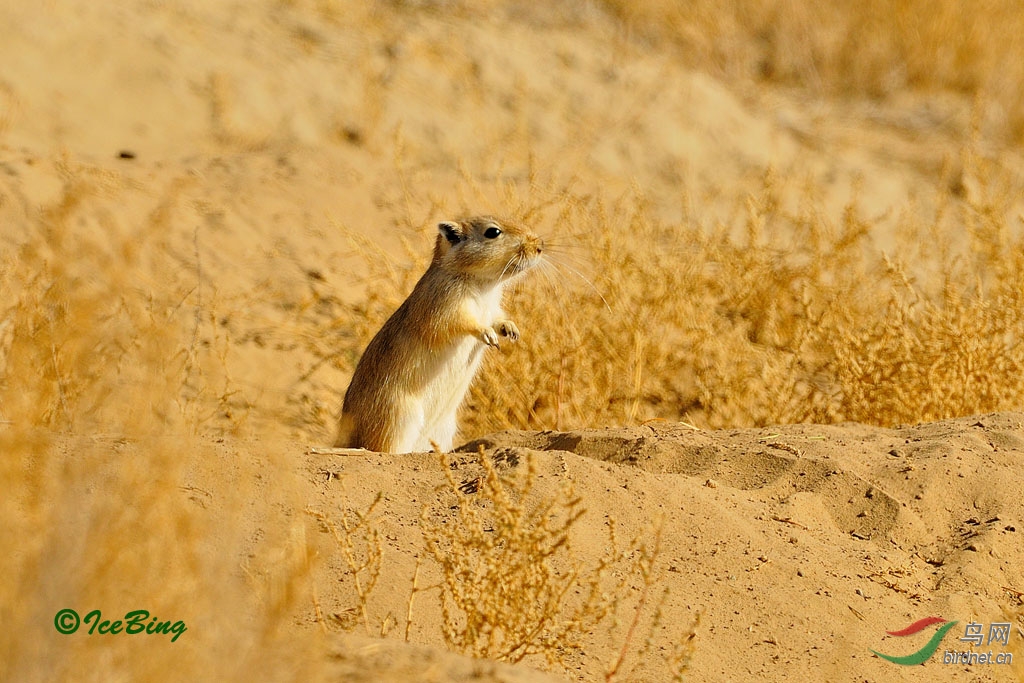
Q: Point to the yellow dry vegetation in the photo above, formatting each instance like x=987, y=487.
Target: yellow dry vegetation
x=787, y=314
x=101, y=376
x=877, y=48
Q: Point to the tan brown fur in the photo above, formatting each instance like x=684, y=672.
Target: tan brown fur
x=414, y=374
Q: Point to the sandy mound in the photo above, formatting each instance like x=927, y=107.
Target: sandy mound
x=800, y=546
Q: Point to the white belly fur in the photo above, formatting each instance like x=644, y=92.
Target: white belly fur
x=445, y=392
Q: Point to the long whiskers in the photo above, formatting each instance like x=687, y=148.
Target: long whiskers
x=553, y=263
x=559, y=246
x=512, y=263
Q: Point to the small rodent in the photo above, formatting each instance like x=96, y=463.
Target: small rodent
x=407, y=387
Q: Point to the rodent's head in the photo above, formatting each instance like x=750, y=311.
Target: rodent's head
x=486, y=248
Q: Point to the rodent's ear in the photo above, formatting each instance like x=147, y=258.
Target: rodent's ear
x=452, y=231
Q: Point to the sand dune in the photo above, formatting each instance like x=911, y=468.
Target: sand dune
x=799, y=545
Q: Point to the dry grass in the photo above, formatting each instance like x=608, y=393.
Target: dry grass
x=509, y=584
x=99, y=377
x=502, y=596
x=873, y=49
x=512, y=585
x=787, y=314
x=359, y=542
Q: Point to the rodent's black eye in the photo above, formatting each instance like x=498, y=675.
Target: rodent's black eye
x=492, y=232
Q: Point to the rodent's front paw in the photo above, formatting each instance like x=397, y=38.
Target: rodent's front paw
x=489, y=337
x=507, y=328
